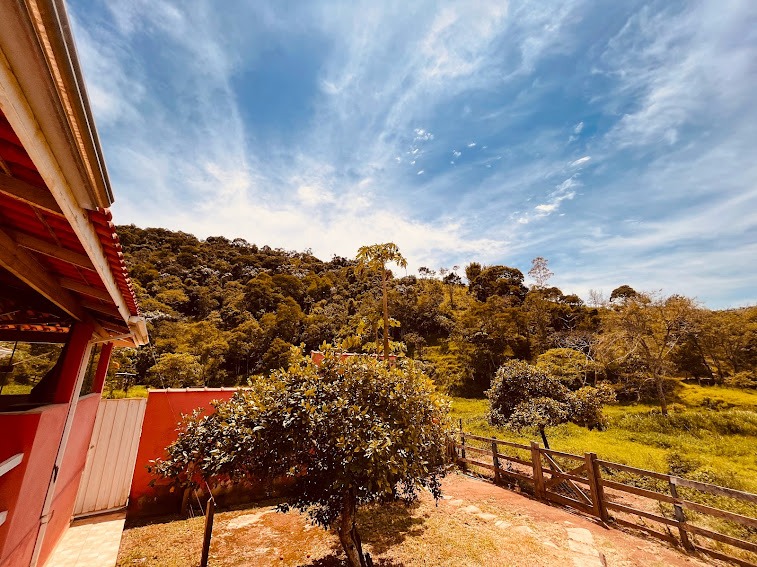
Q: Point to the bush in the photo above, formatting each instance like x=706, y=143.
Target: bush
x=742, y=380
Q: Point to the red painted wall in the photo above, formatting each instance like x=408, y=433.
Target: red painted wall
x=70, y=472
x=159, y=429
x=36, y=433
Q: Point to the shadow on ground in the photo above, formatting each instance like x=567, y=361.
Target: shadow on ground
x=336, y=561
x=381, y=527
x=385, y=525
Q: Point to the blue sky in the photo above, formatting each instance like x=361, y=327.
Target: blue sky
x=616, y=139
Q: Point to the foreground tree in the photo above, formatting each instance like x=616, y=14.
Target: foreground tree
x=375, y=258
x=523, y=395
x=348, y=432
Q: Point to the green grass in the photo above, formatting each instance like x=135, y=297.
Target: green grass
x=696, y=396
x=133, y=392
x=711, y=445
x=15, y=389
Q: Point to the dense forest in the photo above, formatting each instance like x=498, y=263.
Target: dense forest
x=222, y=310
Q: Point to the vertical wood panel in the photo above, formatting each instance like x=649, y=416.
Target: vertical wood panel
x=141, y=406
x=87, y=474
x=98, y=458
x=122, y=457
x=111, y=457
x=108, y=472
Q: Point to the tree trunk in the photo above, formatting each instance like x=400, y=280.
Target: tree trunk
x=347, y=530
x=544, y=438
x=661, y=395
x=386, y=317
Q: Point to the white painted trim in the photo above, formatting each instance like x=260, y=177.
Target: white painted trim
x=11, y=463
x=3, y=516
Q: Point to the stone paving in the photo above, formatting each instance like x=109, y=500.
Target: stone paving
x=580, y=541
x=91, y=542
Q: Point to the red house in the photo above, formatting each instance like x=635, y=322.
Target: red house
x=62, y=276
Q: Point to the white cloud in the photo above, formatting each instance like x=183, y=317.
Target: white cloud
x=580, y=161
x=679, y=67
x=310, y=195
x=546, y=208
x=182, y=153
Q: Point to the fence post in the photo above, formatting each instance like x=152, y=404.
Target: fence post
x=539, y=489
x=462, y=446
x=680, y=517
x=210, y=512
x=595, y=485
x=495, y=462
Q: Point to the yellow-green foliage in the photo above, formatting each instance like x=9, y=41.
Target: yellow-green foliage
x=711, y=445
x=133, y=392
x=695, y=396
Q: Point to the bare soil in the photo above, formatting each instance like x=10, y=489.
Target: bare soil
x=476, y=524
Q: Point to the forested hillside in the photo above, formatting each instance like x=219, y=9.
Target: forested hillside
x=222, y=310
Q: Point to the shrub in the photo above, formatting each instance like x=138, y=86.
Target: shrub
x=742, y=380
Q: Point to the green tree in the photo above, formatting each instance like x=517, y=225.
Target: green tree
x=646, y=330
x=375, y=258
x=180, y=370
x=452, y=280
x=572, y=367
x=523, y=395
x=498, y=280
x=622, y=293
x=347, y=432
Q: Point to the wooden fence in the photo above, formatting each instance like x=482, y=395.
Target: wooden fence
x=616, y=493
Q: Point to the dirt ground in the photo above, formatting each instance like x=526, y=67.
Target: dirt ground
x=475, y=524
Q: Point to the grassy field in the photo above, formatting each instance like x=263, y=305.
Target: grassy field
x=133, y=392
x=710, y=435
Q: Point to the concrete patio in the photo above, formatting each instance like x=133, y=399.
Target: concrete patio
x=90, y=542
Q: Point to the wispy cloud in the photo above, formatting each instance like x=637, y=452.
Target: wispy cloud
x=580, y=161
x=442, y=128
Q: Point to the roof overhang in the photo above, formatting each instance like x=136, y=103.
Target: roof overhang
x=56, y=233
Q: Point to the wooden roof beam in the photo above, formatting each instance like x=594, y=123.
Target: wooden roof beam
x=29, y=194
x=26, y=125
x=23, y=265
x=52, y=250
x=109, y=310
x=73, y=285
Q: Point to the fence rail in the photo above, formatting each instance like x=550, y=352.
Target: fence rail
x=582, y=484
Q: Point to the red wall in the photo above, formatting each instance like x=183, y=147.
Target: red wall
x=36, y=433
x=159, y=429
x=70, y=472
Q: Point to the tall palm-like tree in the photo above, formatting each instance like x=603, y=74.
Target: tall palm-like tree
x=375, y=258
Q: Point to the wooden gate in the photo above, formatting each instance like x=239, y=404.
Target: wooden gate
x=577, y=487
x=106, y=480
x=598, y=487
